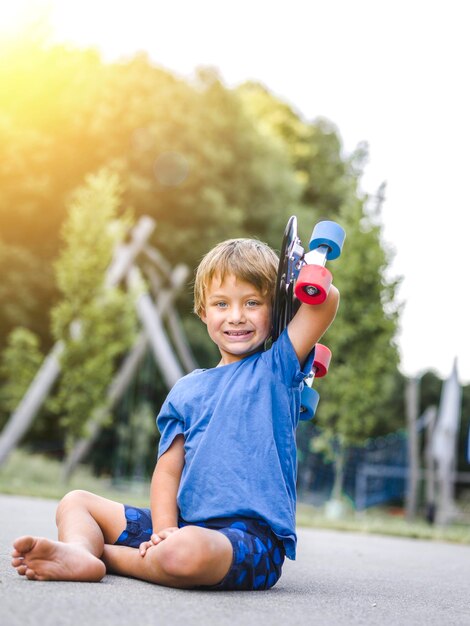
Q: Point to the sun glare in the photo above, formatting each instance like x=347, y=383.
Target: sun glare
x=16, y=16
x=10, y=17
x=76, y=22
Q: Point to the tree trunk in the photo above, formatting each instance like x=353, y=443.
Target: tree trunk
x=412, y=400
x=334, y=508
x=430, y=474
x=340, y=459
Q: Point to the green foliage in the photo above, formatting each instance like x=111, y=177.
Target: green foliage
x=95, y=322
x=233, y=181
x=90, y=235
x=20, y=362
x=207, y=163
x=27, y=281
x=137, y=442
x=359, y=396
x=188, y=154
x=363, y=374
x=46, y=120
x=313, y=150
x=105, y=332
x=430, y=388
x=464, y=435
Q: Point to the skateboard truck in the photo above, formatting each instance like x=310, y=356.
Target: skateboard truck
x=314, y=280
x=310, y=397
x=303, y=277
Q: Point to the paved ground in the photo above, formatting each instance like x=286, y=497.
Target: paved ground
x=338, y=579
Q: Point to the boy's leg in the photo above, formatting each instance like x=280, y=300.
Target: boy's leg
x=84, y=517
x=85, y=522
x=190, y=557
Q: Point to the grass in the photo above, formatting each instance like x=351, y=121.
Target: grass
x=382, y=522
x=35, y=475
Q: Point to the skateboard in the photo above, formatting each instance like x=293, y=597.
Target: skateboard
x=303, y=277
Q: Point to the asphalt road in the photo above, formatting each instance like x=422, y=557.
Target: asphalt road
x=338, y=578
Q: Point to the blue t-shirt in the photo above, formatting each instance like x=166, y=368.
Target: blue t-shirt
x=238, y=422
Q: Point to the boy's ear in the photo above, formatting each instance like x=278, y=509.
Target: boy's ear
x=203, y=316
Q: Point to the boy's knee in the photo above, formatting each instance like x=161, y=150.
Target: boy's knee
x=184, y=554
x=72, y=499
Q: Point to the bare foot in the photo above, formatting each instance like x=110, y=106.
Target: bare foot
x=38, y=558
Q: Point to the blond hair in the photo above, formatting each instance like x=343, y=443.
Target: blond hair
x=249, y=260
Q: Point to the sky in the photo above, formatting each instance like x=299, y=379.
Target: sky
x=393, y=74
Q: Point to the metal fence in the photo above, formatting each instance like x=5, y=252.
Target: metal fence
x=374, y=473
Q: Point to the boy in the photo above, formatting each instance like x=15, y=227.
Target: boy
x=223, y=491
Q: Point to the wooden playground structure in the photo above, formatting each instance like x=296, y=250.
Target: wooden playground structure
x=146, y=273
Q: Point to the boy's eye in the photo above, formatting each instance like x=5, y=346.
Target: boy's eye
x=252, y=303
x=221, y=305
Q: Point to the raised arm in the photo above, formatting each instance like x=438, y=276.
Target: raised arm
x=311, y=322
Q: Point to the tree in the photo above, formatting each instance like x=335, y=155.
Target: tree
x=27, y=283
x=187, y=153
x=208, y=163
x=313, y=149
x=95, y=322
x=360, y=389
x=364, y=373
x=20, y=362
x=202, y=169
x=46, y=122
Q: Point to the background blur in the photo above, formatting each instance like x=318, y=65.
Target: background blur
x=90, y=141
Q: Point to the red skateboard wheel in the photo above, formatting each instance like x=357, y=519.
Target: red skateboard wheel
x=313, y=284
x=322, y=360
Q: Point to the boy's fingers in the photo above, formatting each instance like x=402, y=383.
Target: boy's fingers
x=155, y=539
x=163, y=535
x=144, y=547
x=167, y=532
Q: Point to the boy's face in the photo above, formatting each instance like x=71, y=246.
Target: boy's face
x=238, y=317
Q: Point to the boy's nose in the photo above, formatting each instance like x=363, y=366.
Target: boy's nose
x=236, y=316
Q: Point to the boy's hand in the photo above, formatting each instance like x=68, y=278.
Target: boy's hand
x=156, y=538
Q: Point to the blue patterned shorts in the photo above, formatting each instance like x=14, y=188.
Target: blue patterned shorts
x=258, y=554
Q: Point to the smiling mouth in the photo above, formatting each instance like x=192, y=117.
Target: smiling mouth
x=238, y=333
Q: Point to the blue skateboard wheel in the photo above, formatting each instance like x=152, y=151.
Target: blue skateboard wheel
x=329, y=234
x=309, y=401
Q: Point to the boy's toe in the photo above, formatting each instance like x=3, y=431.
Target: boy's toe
x=23, y=545
x=30, y=574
